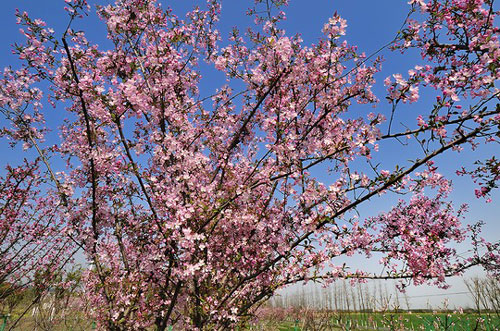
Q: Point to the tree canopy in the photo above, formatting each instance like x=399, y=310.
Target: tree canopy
x=194, y=209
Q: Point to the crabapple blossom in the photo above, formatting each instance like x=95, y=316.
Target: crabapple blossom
x=192, y=210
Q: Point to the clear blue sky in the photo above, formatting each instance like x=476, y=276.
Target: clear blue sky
x=371, y=24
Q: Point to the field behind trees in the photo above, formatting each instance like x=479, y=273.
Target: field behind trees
x=380, y=306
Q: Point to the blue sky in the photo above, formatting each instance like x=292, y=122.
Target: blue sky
x=371, y=24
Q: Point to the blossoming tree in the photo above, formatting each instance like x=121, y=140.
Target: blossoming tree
x=32, y=248
x=192, y=210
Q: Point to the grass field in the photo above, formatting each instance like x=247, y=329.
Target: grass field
x=385, y=321
x=423, y=321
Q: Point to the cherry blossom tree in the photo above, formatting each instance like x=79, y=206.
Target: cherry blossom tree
x=192, y=210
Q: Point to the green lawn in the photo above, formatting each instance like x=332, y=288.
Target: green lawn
x=390, y=321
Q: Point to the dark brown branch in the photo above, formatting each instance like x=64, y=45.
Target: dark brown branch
x=456, y=121
x=86, y=116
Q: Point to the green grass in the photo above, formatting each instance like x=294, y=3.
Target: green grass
x=393, y=321
x=426, y=321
